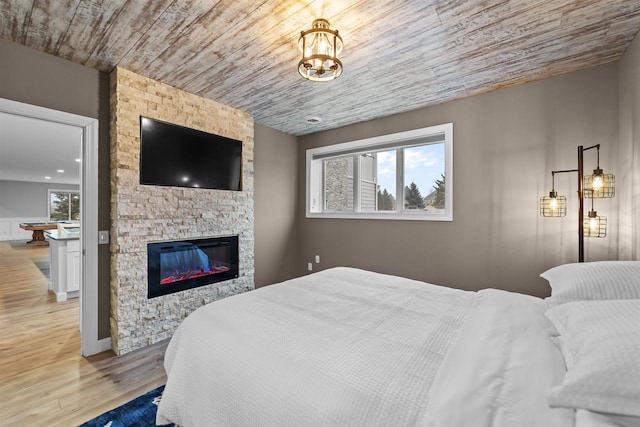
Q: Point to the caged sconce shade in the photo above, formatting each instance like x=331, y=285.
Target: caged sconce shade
x=553, y=205
x=320, y=47
x=594, y=225
x=601, y=185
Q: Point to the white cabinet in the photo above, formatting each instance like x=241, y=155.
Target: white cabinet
x=73, y=265
x=64, y=258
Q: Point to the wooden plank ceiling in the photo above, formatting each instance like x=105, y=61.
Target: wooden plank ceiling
x=398, y=55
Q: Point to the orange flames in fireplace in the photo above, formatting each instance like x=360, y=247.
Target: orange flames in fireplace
x=192, y=274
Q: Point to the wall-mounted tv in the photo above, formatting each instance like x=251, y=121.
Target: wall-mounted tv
x=173, y=155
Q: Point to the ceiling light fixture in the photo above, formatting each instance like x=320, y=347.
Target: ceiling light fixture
x=320, y=47
x=60, y=170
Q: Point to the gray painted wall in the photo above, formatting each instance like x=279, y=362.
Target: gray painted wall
x=27, y=199
x=505, y=145
x=33, y=77
x=276, y=189
x=628, y=183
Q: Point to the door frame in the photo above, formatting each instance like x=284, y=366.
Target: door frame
x=90, y=344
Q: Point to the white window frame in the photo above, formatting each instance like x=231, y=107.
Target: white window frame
x=416, y=137
x=52, y=190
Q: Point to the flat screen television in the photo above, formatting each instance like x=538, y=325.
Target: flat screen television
x=177, y=156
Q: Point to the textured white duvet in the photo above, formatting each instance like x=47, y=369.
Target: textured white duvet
x=346, y=347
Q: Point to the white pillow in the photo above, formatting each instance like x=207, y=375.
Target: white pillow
x=599, y=280
x=586, y=418
x=564, y=350
x=603, y=340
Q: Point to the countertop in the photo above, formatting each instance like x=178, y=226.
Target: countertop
x=53, y=234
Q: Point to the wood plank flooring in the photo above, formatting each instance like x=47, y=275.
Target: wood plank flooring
x=43, y=378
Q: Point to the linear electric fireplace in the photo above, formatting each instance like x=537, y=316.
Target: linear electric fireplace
x=185, y=264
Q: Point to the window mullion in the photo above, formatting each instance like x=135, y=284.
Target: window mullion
x=400, y=180
x=375, y=180
x=357, y=203
x=324, y=186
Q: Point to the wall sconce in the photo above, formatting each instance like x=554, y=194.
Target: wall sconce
x=598, y=185
x=320, y=47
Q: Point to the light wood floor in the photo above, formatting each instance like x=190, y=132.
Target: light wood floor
x=44, y=381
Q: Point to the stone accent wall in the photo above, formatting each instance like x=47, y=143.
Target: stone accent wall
x=143, y=213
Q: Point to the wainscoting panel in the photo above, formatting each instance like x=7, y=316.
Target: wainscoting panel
x=10, y=228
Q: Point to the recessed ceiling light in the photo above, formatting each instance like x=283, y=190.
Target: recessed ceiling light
x=47, y=177
x=78, y=160
x=313, y=120
x=60, y=170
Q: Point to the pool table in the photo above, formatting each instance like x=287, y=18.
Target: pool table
x=38, y=229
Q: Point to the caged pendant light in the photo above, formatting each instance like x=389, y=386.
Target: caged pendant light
x=320, y=47
x=553, y=205
x=594, y=225
x=601, y=185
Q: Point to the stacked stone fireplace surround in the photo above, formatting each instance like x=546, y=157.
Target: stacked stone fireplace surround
x=143, y=213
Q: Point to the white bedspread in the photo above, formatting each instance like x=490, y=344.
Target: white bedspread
x=500, y=369
x=339, y=347
x=346, y=347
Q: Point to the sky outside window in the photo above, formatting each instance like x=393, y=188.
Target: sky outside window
x=422, y=164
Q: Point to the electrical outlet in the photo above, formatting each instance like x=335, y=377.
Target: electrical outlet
x=317, y=259
x=310, y=267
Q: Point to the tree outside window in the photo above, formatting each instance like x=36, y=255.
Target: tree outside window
x=386, y=201
x=439, y=189
x=64, y=206
x=413, y=198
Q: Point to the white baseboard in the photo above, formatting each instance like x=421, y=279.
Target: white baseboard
x=104, y=344
x=95, y=347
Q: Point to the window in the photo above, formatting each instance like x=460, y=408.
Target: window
x=64, y=205
x=405, y=175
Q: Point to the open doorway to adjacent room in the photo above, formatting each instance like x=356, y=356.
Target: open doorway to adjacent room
x=48, y=174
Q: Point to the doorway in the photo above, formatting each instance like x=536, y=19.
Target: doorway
x=88, y=304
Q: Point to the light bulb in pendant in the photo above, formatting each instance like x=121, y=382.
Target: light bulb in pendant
x=597, y=182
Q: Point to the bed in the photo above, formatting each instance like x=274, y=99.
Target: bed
x=348, y=347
